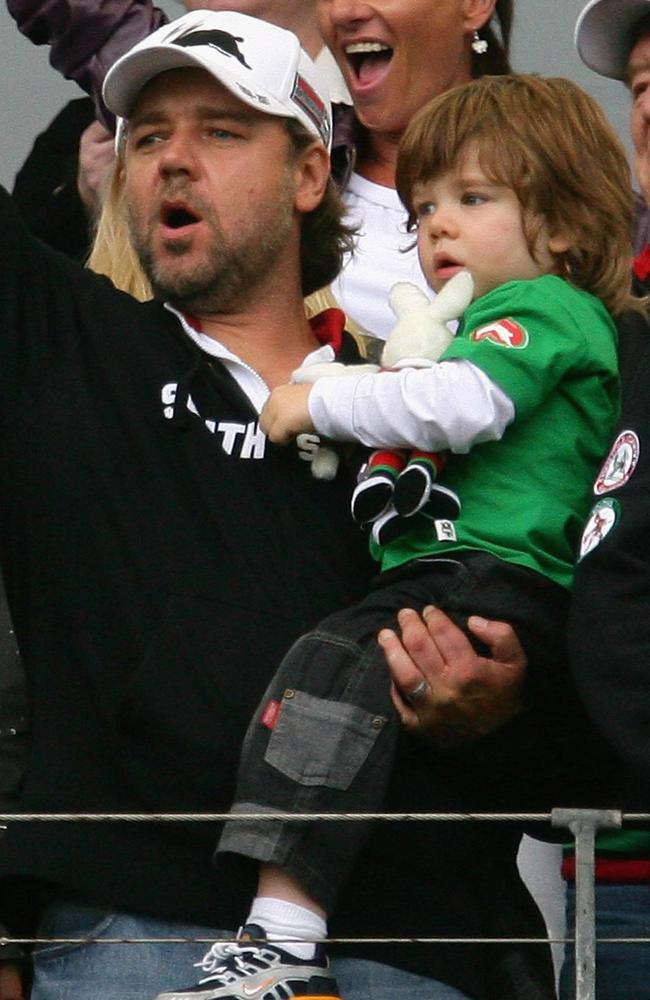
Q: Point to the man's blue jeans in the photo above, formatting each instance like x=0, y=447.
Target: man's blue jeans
x=622, y=970
x=141, y=971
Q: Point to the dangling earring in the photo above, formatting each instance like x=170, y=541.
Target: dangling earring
x=479, y=45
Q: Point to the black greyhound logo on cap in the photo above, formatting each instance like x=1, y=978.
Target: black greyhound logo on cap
x=221, y=40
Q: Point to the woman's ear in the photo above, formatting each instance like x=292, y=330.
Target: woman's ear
x=476, y=13
x=312, y=173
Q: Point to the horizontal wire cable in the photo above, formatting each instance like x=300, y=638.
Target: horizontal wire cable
x=8, y=818
x=34, y=817
x=4, y=941
x=285, y=816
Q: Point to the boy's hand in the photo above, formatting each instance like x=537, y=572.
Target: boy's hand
x=286, y=413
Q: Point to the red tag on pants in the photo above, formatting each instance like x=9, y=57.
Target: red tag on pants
x=271, y=714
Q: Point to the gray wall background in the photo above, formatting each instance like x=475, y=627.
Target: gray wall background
x=31, y=92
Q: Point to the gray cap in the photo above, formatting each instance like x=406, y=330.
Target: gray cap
x=604, y=32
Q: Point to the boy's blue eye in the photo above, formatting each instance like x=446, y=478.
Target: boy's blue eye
x=473, y=199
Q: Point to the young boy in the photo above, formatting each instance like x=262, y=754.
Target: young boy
x=520, y=181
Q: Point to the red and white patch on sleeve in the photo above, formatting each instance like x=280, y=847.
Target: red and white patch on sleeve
x=504, y=332
x=620, y=463
x=602, y=519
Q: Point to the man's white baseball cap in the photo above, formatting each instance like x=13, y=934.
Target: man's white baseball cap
x=604, y=34
x=261, y=64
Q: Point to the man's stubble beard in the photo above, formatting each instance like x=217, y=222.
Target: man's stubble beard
x=228, y=275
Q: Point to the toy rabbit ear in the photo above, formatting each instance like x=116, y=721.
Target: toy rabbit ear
x=452, y=300
x=405, y=297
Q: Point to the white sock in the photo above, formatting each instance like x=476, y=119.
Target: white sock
x=294, y=927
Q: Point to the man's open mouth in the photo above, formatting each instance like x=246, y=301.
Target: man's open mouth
x=178, y=216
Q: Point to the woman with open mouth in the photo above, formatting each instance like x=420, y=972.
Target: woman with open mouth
x=395, y=55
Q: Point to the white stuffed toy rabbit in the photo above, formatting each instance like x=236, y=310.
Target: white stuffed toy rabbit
x=417, y=340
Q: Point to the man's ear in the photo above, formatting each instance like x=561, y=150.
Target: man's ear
x=311, y=172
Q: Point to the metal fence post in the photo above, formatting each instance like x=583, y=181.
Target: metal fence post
x=583, y=824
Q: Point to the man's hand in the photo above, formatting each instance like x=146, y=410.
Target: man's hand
x=460, y=695
x=286, y=414
x=11, y=987
x=96, y=156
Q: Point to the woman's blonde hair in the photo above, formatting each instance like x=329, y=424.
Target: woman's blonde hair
x=112, y=252
x=549, y=142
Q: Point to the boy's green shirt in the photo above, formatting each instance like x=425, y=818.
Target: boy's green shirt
x=551, y=348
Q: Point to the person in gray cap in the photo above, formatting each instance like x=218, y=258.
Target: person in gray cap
x=608, y=628
x=613, y=39
x=610, y=598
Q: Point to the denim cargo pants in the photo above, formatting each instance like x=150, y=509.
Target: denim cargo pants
x=323, y=738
